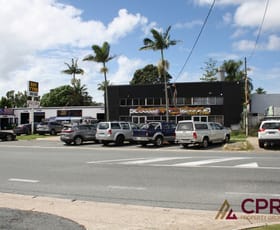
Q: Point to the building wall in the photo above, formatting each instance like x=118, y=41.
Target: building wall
x=47, y=112
x=261, y=102
x=231, y=92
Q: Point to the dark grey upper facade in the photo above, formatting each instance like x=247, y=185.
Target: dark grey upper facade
x=205, y=101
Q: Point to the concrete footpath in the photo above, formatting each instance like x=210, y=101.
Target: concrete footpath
x=96, y=215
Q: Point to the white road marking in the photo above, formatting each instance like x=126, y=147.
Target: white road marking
x=152, y=160
x=126, y=187
x=116, y=160
x=252, y=194
x=249, y=165
x=210, y=161
x=23, y=180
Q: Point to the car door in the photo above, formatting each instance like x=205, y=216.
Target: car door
x=220, y=130
x=127, y=131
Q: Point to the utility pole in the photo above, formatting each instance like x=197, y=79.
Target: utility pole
x=246, y=100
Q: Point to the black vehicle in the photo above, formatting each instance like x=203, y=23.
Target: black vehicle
x=7, y=136
x=78, y=134
x=156, y=133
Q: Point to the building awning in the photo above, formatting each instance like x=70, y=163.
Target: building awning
x=184, y=110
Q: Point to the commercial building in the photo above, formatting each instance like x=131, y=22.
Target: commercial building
x=202, y=101
x=10, y=117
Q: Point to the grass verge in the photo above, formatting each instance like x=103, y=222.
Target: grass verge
x=30, y=137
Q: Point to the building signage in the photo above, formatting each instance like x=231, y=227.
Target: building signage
x=198, y=110
x=33, y=88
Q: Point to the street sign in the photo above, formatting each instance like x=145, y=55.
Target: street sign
x=33, y=88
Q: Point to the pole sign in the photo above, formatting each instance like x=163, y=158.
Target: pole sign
x=33, y=88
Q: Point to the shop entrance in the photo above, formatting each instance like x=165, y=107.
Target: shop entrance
x=139, y=119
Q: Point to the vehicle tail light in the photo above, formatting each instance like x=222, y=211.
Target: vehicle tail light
x=194, y=135
x=261, y=130
x=68, y=131
x=110, y=131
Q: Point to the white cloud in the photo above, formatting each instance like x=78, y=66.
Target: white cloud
x=250, y=14
x=126, y=69
x=189, y=25
x=273, y=43
x=37, y=37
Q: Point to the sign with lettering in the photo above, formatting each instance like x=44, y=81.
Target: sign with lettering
x=33, y=88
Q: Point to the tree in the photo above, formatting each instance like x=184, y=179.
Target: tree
x=102, y=55
x=161, y=42
x=67, y=95
x=260, y=91
x=234, y=72
x=148, y=75
x=210, y=70
x=13, y=99
x=73, y=69
x=102, y=86
x=80, y=95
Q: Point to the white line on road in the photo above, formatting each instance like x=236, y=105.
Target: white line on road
x=152, y=160
x=253, y=194
x=23, y=180
x=115, y=160
x=126, y=187
x=210, y=161
x=249, y=165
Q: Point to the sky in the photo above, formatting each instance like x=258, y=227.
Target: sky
x=39, y=36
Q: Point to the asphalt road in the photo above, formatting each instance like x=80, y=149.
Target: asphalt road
x=164, y=177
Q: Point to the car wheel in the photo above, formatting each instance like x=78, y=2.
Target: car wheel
x=261, y=144
x=9, y=137
x=68, y=142
x=53, y=132
x=227, y=138
x=158, y=141
x=205, y=143
x=120, y=140
x=78, y=141
x=105, y=143
x=185, y=145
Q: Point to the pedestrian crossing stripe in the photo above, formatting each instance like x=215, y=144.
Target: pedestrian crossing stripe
x=168, y=161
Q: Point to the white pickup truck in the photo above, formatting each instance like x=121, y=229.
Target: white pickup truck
x=201, y=133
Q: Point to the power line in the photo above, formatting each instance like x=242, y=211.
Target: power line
x=260, y=30
x=196, y=41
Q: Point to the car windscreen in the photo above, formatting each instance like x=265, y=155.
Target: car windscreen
x=271, y=125
x=104, y=125
x=201, y=126
x=187, y=126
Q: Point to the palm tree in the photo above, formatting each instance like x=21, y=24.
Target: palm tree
x=260, y=91
x=102, y=55
x=79, y=94
x=73, y=69
x=161, y=41
x=103, y=85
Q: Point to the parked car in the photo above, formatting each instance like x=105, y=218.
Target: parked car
x=201, y=133
x=269, y=133
x=156, y=133
x=49, y=127
x=7, y=136
x=115, y=131
x=78, y=134
x=24, y=129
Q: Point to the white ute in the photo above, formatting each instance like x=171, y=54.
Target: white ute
x=201, y=133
